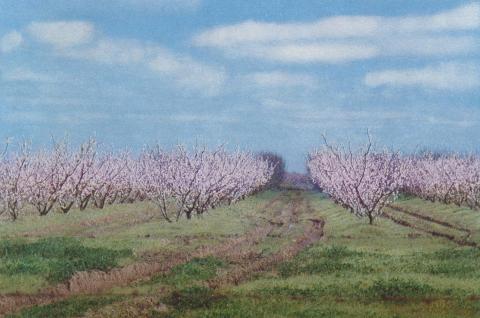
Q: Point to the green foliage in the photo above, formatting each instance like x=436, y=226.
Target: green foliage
x=73, y=307
x=55, y=258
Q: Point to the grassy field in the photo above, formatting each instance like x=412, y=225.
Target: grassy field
x=277, y=254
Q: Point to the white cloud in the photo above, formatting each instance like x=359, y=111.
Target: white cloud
x=184, y=71
x=62, y=34
x=281, y=79
x=25, y=75
x=429, y=45
x=346, y=38
x=111, y=51
x=10, y=41
x=261, y=32
x=189, y=73
x=465, y=17
x=309, y=53
x=451, y=76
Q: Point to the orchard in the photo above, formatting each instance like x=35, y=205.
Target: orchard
x=365, y=181
x=180, y=182
x=183, y=182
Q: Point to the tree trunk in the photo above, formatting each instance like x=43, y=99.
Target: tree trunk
x=84, y=203
x=100, y=203
x=66, y=208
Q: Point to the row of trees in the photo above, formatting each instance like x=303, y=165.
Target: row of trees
x=364, y=181
x=451, y=179
x=187, y=183
x=278, y=173
x=179, y=182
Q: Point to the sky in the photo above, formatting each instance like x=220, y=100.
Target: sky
x=260, y=75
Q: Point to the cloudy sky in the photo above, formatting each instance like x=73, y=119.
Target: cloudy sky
x=263, y=74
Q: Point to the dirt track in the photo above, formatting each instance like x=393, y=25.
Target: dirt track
x=254, y=263
x=459, y=241
x=97, y=282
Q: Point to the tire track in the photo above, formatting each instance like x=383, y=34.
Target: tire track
x=430, y=219
x=248, y=263
x=450, y=237
x=92, y=282
x=248, y=267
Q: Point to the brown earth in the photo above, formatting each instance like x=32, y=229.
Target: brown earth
x=459, y=241
x=93, y=282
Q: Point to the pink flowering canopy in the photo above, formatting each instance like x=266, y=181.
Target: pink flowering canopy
x=362, y=181
x=179, y=182
x=445, y=178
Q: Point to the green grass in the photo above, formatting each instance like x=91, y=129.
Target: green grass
x=357, y=270
x=197, y=270
x=96, y=234
x=294, y=307
x=334, y=259
x=456, y=215
x=53, y=259
x=74, y=307
x=139, y=226
x=192, y=298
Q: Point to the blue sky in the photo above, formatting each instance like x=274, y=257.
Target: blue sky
x=262, y=75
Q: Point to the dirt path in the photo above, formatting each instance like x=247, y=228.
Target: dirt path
x=430, y=219
x=245, y=262
x=251, y=267
x=459, y=241
x=97, y=281
x=248, y=264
